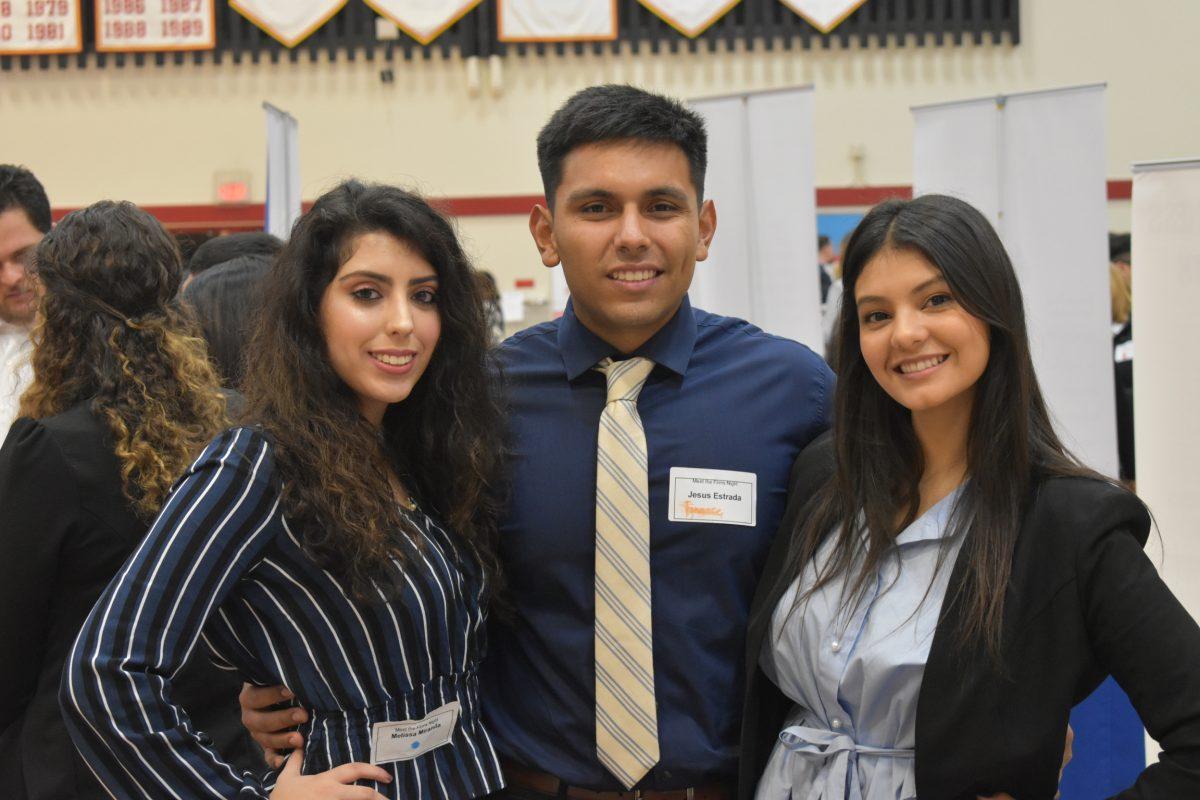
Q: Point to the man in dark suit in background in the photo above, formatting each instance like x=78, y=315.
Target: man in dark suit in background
x=826, y=258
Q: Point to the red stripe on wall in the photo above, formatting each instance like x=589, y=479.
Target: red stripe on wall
x=520, y=204
x=202, y=218
x=835, y=196
x=1120, y=190
x=195, y=218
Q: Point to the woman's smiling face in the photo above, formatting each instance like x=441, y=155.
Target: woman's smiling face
x=923, y=348
x=380, y=319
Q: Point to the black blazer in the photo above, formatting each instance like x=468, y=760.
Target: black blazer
x=1084, y=602
x=65, y=530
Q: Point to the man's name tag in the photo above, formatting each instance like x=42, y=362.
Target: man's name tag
x=713, y=495
x=407, y=739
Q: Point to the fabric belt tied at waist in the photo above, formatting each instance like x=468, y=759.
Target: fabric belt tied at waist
x=840, y=752
x=544, y=783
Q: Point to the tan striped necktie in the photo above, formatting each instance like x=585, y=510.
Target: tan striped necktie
x=626, y=718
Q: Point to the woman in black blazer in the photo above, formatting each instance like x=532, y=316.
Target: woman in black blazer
x=1045, y=589
x=122, y=399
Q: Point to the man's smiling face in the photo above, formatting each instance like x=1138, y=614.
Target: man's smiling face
x=628, y=230
x=18, y=238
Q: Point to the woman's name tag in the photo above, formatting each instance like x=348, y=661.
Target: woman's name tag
x=718, y=496
x=407, y=739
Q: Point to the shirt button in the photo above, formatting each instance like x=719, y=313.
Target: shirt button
x=836, y=646
x=836, y=724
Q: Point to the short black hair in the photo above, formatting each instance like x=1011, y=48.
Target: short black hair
x=822, y=241
x=20, y=189
x=1118, y=244
x=614, y=112
x=225, y=301
x=226, y=248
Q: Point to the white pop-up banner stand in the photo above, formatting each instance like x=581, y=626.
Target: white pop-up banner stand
x=1166, y=281
x=1034, y=164
x=1166, y=252
x=762, y=266
x=283, y=172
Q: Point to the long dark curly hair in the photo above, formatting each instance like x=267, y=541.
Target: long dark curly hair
x=108, y=331
x=444, y=441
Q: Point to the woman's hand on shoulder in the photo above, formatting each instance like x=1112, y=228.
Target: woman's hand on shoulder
x=334, y=784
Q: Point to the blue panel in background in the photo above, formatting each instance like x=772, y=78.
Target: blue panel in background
x=836, y=226
x=1110, y=746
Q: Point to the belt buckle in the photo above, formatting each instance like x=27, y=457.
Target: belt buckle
x=689, y=793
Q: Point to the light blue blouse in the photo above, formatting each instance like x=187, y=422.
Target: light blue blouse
x=855, y=672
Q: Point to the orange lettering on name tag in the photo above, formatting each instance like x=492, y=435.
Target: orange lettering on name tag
x=690, y=509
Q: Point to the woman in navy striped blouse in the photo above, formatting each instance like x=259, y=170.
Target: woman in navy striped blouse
x=341, y=546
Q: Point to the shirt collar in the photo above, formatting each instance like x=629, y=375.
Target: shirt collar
x=11, y=329
x=671, y=347
x=934, y=523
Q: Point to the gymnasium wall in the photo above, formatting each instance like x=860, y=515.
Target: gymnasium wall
x=156, y=135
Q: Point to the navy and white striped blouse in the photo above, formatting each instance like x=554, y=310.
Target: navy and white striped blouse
x=221, y=563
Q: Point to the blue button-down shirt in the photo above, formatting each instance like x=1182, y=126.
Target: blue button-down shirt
x=724, y=395
x=855, y=669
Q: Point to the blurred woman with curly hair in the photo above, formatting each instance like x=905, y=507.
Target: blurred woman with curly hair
x=341, y=546
x=122, y=399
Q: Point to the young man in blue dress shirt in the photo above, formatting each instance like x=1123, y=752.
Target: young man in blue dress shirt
x=623, y=171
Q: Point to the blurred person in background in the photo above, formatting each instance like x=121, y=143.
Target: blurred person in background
x=489, y=292
x=225, y=300
x=832, y=305
x=1122, y=327
x=826, y=258
x=122, y=399
x=1119, y=247
x=24, y=220
x=224, y=248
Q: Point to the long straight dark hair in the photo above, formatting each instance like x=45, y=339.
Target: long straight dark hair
x=874, y=491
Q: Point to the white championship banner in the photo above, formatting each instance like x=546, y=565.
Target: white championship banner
x=40, y=27
x=1034, y=164
x=557, y=20
x=690, y=17
x=156, y=25
x=283, y=172
x=288, y=21
x=824, y=15
x=423, y=20
x=762, y=266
